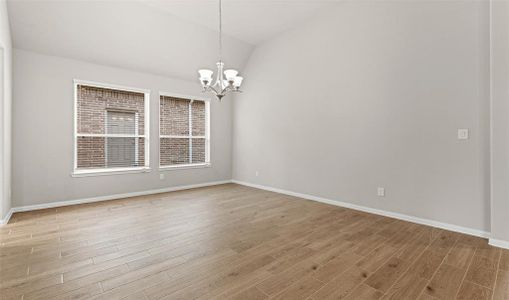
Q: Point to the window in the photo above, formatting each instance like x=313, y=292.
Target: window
x=184, y=132
x=110, y=131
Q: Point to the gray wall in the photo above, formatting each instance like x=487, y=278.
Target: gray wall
x=5, y=112
x=43, y=132
x=500, y=115
x=372, y=94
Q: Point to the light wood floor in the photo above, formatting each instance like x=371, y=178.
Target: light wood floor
x=235, y=242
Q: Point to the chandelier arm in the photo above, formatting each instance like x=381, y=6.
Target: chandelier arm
x=214, y=90
x=208, y=89
x=217, y=84
x=226, y=90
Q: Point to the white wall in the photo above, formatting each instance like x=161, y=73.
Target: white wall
x=500, y=115
x=372, y=94
x=5, y=112
x=43, y=132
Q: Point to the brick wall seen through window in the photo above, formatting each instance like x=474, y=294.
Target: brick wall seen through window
x=110, y=128
x=183, y=131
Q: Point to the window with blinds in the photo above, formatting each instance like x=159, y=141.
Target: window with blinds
x=184, y=132
x=110, y=130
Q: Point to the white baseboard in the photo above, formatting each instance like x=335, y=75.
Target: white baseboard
x=446, y=226
x=499, y=243
x=109, y=197
x=432, y=223
x=6, y=219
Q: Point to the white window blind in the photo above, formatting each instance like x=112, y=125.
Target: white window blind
x=184, y=132
x=110, y=128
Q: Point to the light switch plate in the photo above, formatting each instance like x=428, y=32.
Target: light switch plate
x=161, y=176
x=463, y=134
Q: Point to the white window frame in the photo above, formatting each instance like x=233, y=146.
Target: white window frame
x=146, y=133
x=207, y=162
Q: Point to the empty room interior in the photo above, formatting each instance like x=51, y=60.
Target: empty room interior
x=254, y=149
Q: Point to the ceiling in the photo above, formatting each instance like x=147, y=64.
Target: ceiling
x=170, y=38
x=252, y=21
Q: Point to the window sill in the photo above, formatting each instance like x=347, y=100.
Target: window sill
x=183, y=167
x=112, y=171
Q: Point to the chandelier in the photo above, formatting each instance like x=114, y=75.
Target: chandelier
x=227, y=80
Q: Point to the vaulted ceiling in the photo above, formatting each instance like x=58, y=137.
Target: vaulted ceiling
x=251, y=21
x=169, y=38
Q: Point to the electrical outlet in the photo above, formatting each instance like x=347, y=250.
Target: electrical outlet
x=463, y=134
x=381, y=192
x=257, y=173
x=161, y=176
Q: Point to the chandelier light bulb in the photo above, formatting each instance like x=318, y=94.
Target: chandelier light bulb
x=230, y=74
x=237, y=81
x=205, y=81
x=206, y=74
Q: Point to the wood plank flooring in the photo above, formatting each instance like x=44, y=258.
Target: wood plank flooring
x=235, y=242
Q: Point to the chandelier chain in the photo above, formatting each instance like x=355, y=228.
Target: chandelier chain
x=220, y=31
